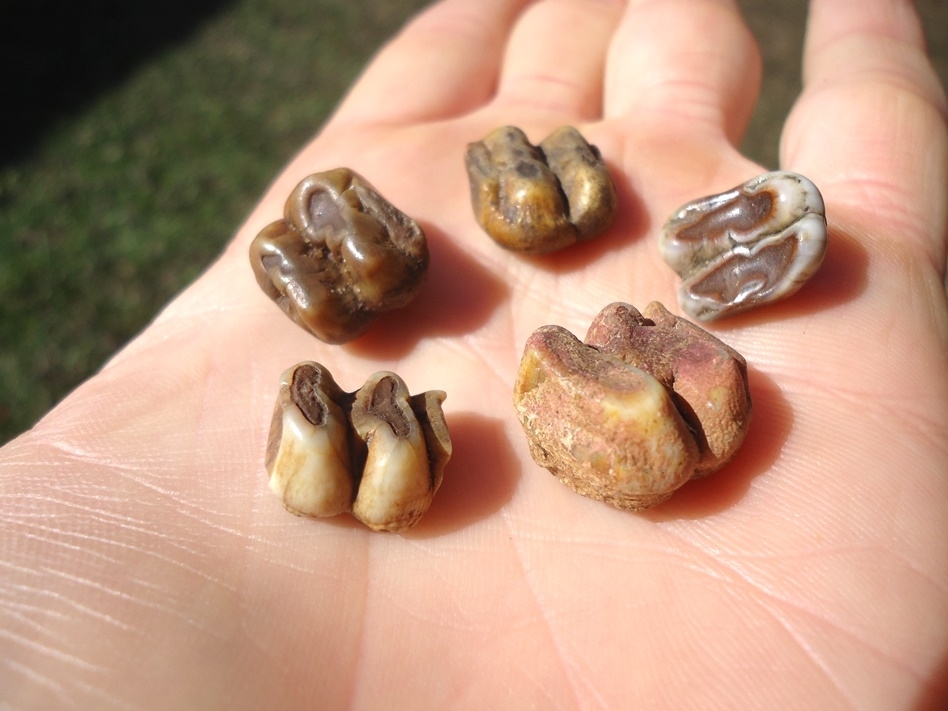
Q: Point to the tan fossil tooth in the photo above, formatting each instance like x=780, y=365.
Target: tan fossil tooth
x=606, y=429
x=538, y=199
x=397, y=483
x=649, y=402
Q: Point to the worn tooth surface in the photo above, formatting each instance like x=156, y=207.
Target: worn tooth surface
x=752, y=245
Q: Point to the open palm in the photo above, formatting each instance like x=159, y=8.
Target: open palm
x=145, y=564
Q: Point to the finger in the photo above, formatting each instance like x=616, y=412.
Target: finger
x=870, y=123
x=683, y=66
x=443, y=63
x=555, y=57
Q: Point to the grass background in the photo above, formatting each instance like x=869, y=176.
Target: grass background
x=136, y=136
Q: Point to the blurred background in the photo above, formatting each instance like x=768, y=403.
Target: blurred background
x=136, y=136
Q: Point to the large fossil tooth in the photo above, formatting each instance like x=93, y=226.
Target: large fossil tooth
x=649, y=402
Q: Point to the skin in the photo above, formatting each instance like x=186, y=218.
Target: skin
x=145, y=564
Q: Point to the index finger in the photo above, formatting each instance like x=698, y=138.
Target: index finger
x=444, y=62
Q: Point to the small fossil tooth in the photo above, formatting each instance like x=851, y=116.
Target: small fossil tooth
x=749, y=246
x=341, y=256
x=647, y=403
x=377, y=453
x=538, y=199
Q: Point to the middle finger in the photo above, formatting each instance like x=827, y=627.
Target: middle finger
x=555, y=57
x=685, y=66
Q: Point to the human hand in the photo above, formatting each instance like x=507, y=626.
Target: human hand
x=145, y=564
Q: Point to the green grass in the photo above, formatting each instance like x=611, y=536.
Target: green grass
x=124, y=201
